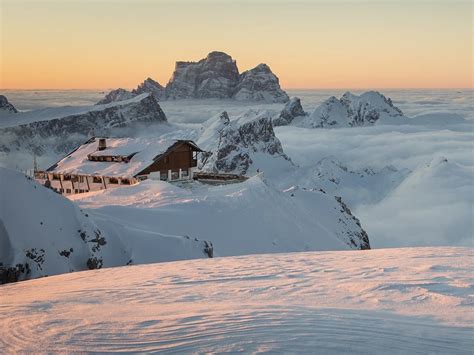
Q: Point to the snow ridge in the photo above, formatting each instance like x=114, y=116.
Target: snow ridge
x=54, y=236
x=241, y=143
x=66, y=133
x=351, y=110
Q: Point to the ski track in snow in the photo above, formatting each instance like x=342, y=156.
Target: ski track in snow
x=414, y=300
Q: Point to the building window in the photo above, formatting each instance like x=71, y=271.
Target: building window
x=68, y=191
x=55, y=177
x=97, y=180
x=125, y=182
x=113, y=181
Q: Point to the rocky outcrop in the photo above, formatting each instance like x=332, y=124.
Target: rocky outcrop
x=352, y=110
x=215, y=76
x=291, y=110
x=369, y=108
x=6, y=106
x=116, y=95
x=63, y=134
x=150, y=86
x=236, y=144
x=357, y=239
x=212, y=77
x=260, y=84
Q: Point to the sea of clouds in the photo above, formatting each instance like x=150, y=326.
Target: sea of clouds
x=432, y=206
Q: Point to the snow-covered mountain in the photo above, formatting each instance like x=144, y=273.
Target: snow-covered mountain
x=390, y=301
x=441, y=191
x=150, y=86
x=242, y=144
x=63, y=134
x=116, y=95
x=259, y=84
x=43, y=233
x=355, y=186
x=352, y=110
x=291, y=110
x=6, y=106
x=215, y=76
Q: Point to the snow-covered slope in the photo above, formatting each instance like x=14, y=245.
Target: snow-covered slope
x=242, y=144
x=43, y=233
x=392, y=301
x=352, y=110
x=61, y=135
x=440, y=192
x=355, y=186
x=259, y=84
x=245, y=218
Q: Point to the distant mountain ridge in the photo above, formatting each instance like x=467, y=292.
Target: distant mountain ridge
x=215, y=76
x=351, y=110
x=6, y=106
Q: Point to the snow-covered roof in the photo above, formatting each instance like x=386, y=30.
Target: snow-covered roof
x=144, y=151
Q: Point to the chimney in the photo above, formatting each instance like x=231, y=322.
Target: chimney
x=102, y=144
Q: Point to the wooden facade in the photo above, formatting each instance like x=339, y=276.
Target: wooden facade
x=176, y=163
x=181, y=155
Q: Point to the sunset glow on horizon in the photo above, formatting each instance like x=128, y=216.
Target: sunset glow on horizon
x=308, y=44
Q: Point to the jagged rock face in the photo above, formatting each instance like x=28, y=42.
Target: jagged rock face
x=213, y=77
x=150, y=86
x=235, y=143
x=260, y=84
x=369, y=107
x=291, y=110
x=6, y=106
x=116, y=95
x=352, y=110
x=357, y=239
x=65, y=133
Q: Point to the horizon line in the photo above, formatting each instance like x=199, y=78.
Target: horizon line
x=291, y=88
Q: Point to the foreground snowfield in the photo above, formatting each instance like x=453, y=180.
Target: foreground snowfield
x=379, y=301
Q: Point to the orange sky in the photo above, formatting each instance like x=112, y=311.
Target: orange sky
x=308, y=44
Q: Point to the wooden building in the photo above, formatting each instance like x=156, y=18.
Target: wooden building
x=102, y=163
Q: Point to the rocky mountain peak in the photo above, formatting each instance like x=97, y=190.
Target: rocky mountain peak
x=216, y=76
x=6, y=106
x=291, y=110
x=351, y=110
x=212, y=77
x=236, y=144
x=116, y=95
x=225, y=117
x=260, y=84
x=150, y=86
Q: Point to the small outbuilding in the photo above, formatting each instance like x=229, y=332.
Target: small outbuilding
x=102, y=163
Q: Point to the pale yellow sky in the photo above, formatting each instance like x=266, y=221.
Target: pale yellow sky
x=308, y=44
